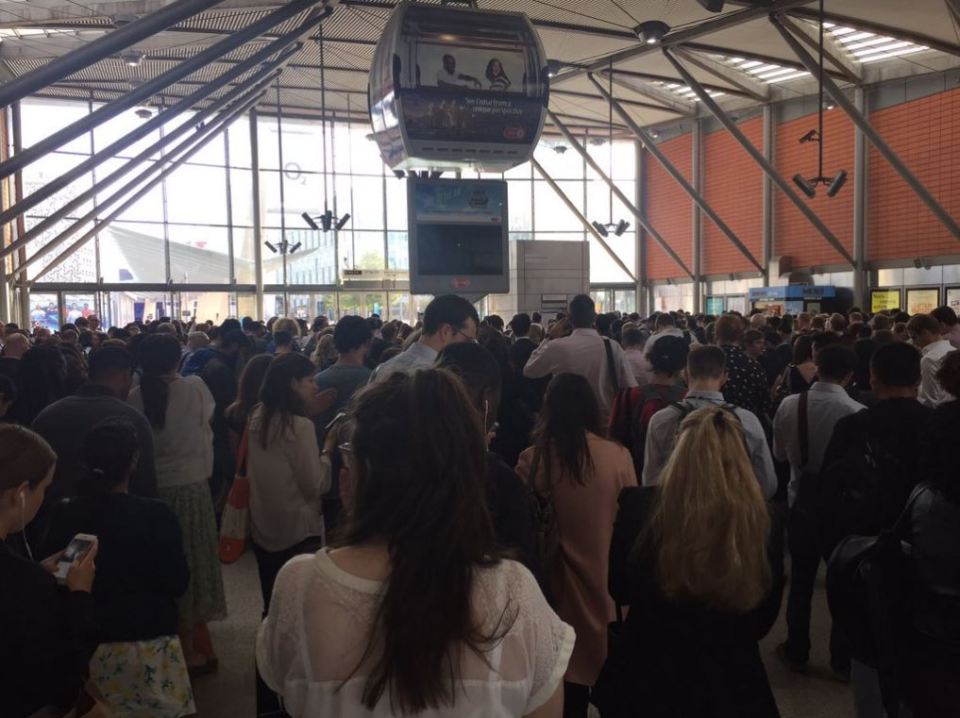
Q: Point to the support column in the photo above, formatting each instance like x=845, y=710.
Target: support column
x=643, y=289
x=860, y=204
x=257, y=223
x=697, y=172
x=769, y=153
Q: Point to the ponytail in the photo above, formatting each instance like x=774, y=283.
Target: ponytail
x=159, y=355
x=110, y=452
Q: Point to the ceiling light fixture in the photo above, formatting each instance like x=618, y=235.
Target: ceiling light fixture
x=144, y=113
x=131, y=58
x=833, y=184
x=652, y=31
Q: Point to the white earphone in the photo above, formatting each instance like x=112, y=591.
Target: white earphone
x=23, y=523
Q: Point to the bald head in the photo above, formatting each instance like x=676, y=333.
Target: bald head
x=16, y=346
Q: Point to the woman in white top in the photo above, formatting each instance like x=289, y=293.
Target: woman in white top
x=413, y=612
x=179, y=410
x=288, y=477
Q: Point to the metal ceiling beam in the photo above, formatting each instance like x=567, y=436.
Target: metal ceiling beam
x=253, y=84
x=758, y=157
x=651, y=146
x=652, y=77
x=897, y=33
x=750, y=55
x=94, y=85
x=682, y=36
x=588, y=96
x=747, y=86
x=583, y=220
x=109, y=44
x=670, y=101
x=831, y=52
x=235, y=73
x=640, y=216
x=149, y=88
x=193, y=146
x=863, y=124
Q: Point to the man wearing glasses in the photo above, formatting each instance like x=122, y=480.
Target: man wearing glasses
x=449, y=319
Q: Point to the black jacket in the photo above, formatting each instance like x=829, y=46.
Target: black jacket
x=48, y=635
x=141, y=568
x=508, y=501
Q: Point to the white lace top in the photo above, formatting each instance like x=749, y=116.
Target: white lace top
x=320, y=618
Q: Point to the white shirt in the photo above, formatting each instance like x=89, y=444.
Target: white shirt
x=931, y=393
x=669, y=332
x=287, y=482
x=662, y=437
x=320, y=616
x=451, y=78
x=183, y=448
x=826, y=405
x=637, y=359
x=417, y=356
x=582, y=353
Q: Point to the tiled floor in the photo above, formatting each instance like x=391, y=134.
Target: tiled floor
x=229, y=693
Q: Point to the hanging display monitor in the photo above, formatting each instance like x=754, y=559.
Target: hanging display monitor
x=458, y=236
x=457, y=88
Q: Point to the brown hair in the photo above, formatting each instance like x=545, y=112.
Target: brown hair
x=25, y=456
x=949, y=374
x=706, y=362
x=729, y=329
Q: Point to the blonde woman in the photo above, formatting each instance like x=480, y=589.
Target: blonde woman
x=693, y=578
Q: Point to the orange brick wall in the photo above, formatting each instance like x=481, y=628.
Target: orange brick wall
x=925, y=133
x=794, y=236
x=670, y=209
x=733, y=185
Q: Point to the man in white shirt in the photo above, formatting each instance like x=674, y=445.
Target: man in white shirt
x=666, y=326
x=706, y=375
x=448, y=319
x=949, y=326
x=582, y=352
x=925, y=334
x=633, y=341
x=824, y=405
x=447, y=76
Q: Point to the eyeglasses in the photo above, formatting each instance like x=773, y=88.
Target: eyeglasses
x=467, y=337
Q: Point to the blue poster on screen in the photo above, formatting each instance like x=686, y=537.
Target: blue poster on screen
x=459, y=202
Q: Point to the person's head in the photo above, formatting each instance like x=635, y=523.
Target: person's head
x=536, y=318
x=28, y=463
x=634, y=338
x=895, y=371
x=855, y=317
x=109, y=453
x=166, y=328
x=449, y=63
x=288, y=390
x=583, y=312
x=69, y=336
x=197, y=340
x=804, y=321
x=710, y=332
x=864, y=349
x=286, y=324
x=233, y=343
x=665, y=321
x=41, y=380
x=836, y=364
x=900, y=333
x=8, y=394
x=230, y=325
x=494, y=321
x=822, y=340
x=481, y=376
x=536, y=333
x=494, y=69
x=753, y=343
x=729, y=330
x=16, y=345
x=706, y=368
x=668, y=357
x=758, y=322
x=93, y=322
x=520, y=324
x=248, y=390
x=282, y=342
x=416, y=482
x=352, y=336
x=709, y=526
x=111, y=367
x=786, y=327
x=947, y=318
x=883, y=336
x=449, y=319
x=881, y=323
x=949, y=374
x=319, y=324
x=923, y=329
x=570, y=411
x=837, y=323
x=159, y=357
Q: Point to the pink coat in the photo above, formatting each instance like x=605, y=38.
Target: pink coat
x=585, y=515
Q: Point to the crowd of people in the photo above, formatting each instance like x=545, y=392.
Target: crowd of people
x=467, y=518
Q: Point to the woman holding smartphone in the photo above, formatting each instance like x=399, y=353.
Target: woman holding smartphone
x=48, y=629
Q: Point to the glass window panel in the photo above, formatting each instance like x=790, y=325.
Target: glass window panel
x=270, y=206
x=273, y=306
x=301, y=193
x=203, y=306
x=76, y=306
x=213, y=153
x=239, y=136
x=41, y=118
x=519, y=172
x=148, y=208
x=244, y=259
x=132, y=252
x=560, y=236
x=302, y=146
x=268, y=144
x=197, y=195
x=129, y=306
x=559, y=165
x=603, y=269
x=199, y=254
x=550, y=212
x=520, y=205
x=272, y=261
x=367, y=201
x=355, y=153
x=396, y=203
x=315, y=261
x=44, y=312
x=625, y=300
x=80, y=266
x=241, y=195
x=398, y=253
x=38, y=174
x=598, y=201
x=362, y=250
x=247, y=305
x=120, y=126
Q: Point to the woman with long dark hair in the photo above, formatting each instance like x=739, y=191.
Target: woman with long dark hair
x=496, y=76
x=287, y=474
x=41, y=380
x=412, y=613
x=582, y=472
x=179, y=410
x=248, y=393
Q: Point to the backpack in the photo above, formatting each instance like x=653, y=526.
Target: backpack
x=197, y=361
x=630, y=417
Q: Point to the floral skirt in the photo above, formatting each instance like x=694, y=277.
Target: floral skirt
x=143, y=678
x=204, y=599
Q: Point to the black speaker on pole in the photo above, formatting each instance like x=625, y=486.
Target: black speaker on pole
x=712, y=5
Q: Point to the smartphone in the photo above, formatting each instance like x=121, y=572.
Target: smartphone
x=334, y=421
x=78, y=547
